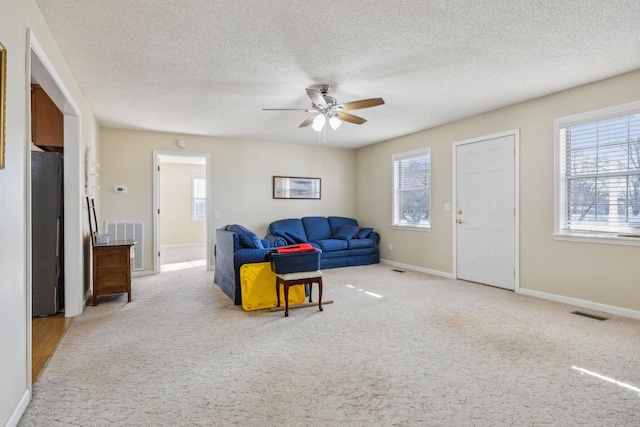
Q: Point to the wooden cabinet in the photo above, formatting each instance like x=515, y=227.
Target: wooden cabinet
x=112, y=268
x=47, y=121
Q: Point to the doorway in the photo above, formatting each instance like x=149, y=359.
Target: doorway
x=485, y=216
x=181, y=200
x=40, y=71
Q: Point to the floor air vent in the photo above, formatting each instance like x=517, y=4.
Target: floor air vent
x=590, y=316
x=398, y=271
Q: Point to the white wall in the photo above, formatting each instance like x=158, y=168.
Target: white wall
x=16, y=17
x=604, y=274
x=241, y=182
x=176, y=224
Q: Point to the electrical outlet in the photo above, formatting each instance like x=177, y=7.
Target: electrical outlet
x=447, y=206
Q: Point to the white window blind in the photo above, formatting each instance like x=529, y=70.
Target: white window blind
x=412, y=189
x=599, y=170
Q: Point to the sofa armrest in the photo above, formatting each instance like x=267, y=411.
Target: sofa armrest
x=230, y=256
x=375, y=236
x=275, y=241
x=247, y=256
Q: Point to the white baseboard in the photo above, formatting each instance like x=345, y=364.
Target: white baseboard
x=14, y=419
x=618, y=311
x=418, y=269
x=140, y=273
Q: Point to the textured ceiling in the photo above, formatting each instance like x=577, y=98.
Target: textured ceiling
x=209, y=67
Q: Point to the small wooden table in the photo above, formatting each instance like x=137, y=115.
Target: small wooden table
x=112, y=268
x=301, y=278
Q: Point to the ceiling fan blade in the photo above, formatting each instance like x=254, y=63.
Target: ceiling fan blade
x=285, y=109
x=363, y=103
x=346, y=117
x=316, y=97
x=308, y=121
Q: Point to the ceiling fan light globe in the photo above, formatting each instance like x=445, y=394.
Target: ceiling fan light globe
x=318, y=122
x=335, y=122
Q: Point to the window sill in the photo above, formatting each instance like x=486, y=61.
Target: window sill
x=605, y=239
x=411, y=227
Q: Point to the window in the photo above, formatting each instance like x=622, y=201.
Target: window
x=412, y=189
x=598, y=173
x=199, y=197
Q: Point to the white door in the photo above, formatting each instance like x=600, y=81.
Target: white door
x=485, y=211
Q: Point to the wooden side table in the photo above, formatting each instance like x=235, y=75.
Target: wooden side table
x=112, y=268
x=301, y=278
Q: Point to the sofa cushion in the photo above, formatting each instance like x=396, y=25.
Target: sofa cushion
x=316, y=228
x=364, y=233
x=289, y=229
x=330, y=245
x=346, y=232
x=360, y=243
x=248, y=238
x=336, y=222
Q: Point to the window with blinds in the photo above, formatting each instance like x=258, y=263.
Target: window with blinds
x=412, y=189
x=199, y=198
x=599, y=171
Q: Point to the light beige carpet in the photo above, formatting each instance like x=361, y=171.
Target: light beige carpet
x=394, y=349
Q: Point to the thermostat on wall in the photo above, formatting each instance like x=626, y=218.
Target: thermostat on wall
x=120, y=189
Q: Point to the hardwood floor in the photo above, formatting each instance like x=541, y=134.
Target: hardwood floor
x=46, y=333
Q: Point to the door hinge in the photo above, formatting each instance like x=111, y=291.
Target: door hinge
x=158, y=168
x=158, y=211
x=158, y=254
x=514, y=273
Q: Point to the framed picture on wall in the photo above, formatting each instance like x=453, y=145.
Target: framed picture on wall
x=293, y=187
x=3, y=100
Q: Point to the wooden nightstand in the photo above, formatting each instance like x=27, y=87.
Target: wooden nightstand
x=112, y=268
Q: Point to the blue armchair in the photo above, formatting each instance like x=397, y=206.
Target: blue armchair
x=236, y=246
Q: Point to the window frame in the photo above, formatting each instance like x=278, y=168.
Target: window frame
x=589, y=117
x=395, y=159
x=195, y=218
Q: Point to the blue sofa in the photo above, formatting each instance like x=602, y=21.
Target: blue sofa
x=342, y=241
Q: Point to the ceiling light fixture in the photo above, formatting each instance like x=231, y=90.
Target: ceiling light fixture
x=335, y=122
x=318, y=122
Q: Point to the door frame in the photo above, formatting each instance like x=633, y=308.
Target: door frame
x=156, y=205
x=516, y=159
x=40, y=68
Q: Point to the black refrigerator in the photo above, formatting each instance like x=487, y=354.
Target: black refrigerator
x=47, y=207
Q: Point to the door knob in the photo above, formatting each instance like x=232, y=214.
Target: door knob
x=459, y=211
x=459, y=221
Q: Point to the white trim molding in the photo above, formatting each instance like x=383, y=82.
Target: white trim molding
x=618, y=311
x=14, y=419
x=418, y=269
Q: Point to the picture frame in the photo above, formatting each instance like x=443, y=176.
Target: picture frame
x=3, y=102
x=295, y=187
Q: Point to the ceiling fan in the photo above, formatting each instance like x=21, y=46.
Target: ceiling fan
x=325, y=109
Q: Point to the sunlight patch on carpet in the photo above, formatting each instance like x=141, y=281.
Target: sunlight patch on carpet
x=366, y=292
x=608, y=379
x=183, y=265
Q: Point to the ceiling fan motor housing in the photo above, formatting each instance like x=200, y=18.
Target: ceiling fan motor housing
x=323, y=89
